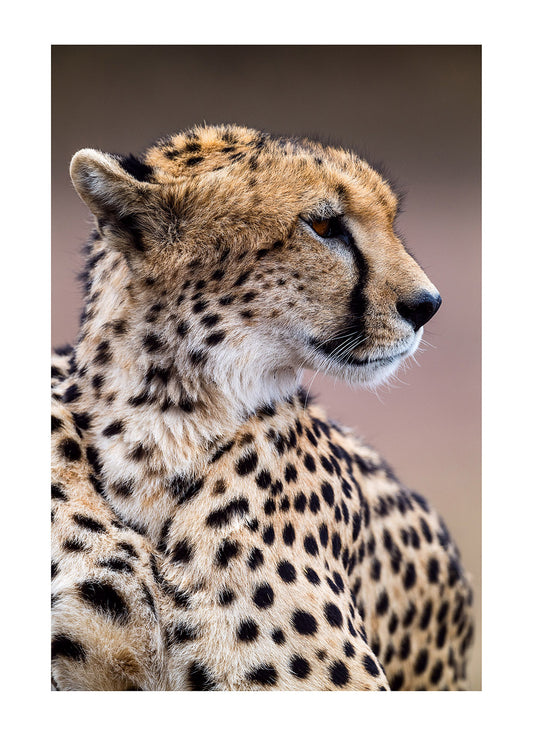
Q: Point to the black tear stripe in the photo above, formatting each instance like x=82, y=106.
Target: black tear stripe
x=354, y=323
x=358, y=298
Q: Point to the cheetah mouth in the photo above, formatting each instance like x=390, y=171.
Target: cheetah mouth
x=344, y=354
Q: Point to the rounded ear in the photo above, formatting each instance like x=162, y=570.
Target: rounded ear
x=109, y=187
x=105, y=187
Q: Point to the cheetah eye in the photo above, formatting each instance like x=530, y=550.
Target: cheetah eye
x=327, y=227
x=321, y=227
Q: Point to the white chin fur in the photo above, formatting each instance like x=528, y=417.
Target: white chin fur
x=372, y=375
x=368, y=375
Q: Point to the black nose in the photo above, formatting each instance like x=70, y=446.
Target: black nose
x=420, y=310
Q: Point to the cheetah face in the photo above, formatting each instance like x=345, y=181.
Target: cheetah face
x=264, y=255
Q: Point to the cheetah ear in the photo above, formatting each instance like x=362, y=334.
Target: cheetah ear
x=109, y=187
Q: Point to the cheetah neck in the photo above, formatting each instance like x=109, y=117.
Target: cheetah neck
x=151, y=415
x=149, y=454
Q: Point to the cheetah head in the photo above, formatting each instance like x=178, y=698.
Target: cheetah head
x=260, y=256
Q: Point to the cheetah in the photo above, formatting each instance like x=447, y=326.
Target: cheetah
x=212, y=528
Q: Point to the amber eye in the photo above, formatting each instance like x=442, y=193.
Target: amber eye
x=322, y=227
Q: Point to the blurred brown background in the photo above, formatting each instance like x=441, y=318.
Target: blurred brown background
x=415, y=108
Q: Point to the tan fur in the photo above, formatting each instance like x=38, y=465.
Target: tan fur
x=207, y=294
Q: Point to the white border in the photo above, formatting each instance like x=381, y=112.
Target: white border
x=265, y=721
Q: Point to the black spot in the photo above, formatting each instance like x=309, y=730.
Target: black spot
x=198, y=358
x=299, y=666
x=338, y=672
x=103, y=354
x=263, y=674
x=433, y=571
x=71, y=394
x=312, y=576
x=123, y=488
x=255, y=558
x=278, y=637
x=247, y=463
x=288, y=534
x=248, y=630
x=222, y=516
x=326, y=464
x=263, y=596
x=375, y=570
x=436, y=672
x=64, y=646
x=421, y=662
x=226, y=300
x=74, y=545
x=338, y=581
x=441, y=636
x=210, y=320
x=426, y=615
x=182, y=329
x=356, y=526
x=58, y=493
x=336, y=545
x=105, y=599
x=116, y=564
x=220, y=487
x=200, y=678
x=370, y=666
x=185, y=488
x=182, y=552
x=181, y=633
x=269, y=506
x=284, y=503
x=314, y=503
x=70, y=449
x=396, y=682
x=349, y=651
x=300, y=502
x=186, y=404
x=190, y=161
x=327, y=493
x=311, y=437
x=409, y=615
x=309, y=462
x=426, y=531
x=114, y=428
x=276, y=487
x=286, y=571
x=310, y=545
x=57, y=423
x=268, y=535
x=333, y=614
x=226, y=597
x=242, y=278
x=227, y=550
x=304, y=623
x=382, y=605
x=151, y=342
x=409, y=579
x=405, y=647
x=290, y=473
x=263, y=479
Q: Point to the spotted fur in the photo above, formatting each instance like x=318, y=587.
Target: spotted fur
x=212, y=529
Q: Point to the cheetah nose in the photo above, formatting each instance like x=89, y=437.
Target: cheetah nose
x=419, y=310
